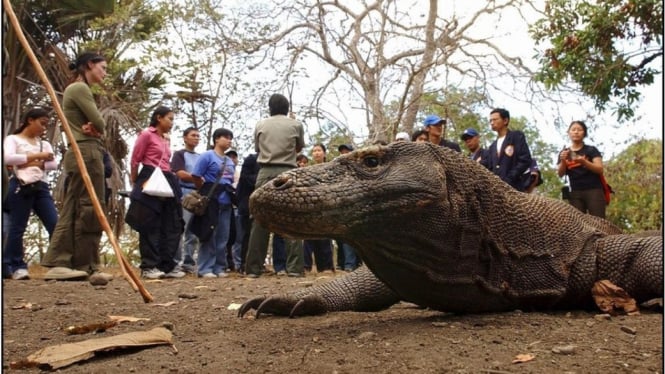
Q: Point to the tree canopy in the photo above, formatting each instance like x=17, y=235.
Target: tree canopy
x=609, y=48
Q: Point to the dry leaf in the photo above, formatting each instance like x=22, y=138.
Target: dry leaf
x=121, y=319
x=525, y=357
x=165, y=304
x=611, y=298
x=61, y=355
x=96, y=327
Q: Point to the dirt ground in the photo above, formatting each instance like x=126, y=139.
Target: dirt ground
x=210, y=338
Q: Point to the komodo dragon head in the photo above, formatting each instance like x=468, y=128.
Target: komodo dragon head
x=412, y=210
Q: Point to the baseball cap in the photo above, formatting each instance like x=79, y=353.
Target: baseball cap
x=345, y=146
x=231, y=151
x=469, y=133
x=433, y=119
x=402, y=136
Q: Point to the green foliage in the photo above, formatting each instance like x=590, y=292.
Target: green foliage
x=606, y=47
x=636, y=176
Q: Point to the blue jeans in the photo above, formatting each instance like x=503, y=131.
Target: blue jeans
x=236, y=249
x=189, y=242
x=212, y=254
x=278, y=253
x=350, y=258
x=21, y=200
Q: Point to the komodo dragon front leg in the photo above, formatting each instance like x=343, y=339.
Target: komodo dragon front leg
x=358, y=291
x=634, y=262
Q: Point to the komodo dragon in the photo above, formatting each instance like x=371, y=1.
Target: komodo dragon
x=437, y=229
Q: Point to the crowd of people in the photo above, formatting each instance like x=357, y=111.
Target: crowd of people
x=174, y=241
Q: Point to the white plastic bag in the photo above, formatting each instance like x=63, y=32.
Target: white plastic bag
x=157, y=185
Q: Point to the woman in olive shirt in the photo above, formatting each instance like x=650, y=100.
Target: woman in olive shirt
x=73, y=252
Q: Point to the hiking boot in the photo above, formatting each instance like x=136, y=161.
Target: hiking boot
x=175, y=273
x=153, y=273
x=63, y=273
x=20, y=274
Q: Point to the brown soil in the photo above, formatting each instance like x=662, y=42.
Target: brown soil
x=210, y=338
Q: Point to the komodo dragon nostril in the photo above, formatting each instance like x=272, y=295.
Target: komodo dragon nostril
x=282, y=183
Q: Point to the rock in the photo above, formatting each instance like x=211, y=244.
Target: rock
x=602, y=317
x=564, y=350
x=366, y=335
x=188, y=296
x=655, y=304
x=96, y=279
x=629, y=330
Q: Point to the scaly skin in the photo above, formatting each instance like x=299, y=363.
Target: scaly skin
x=437, y=229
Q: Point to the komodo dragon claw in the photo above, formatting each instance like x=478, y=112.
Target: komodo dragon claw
x=284, y=305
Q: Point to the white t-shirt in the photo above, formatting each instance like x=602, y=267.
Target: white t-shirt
x=16, y=150
x=499, y=143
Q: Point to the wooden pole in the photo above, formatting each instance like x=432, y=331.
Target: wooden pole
x=125, y=266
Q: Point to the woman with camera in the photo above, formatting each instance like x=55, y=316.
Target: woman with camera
x=31, y=157
x=583, y=165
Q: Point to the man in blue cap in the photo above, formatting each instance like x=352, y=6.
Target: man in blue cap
x=471, y=139
x=436, y=128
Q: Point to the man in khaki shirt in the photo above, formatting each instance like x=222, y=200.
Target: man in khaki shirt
x=277, y=140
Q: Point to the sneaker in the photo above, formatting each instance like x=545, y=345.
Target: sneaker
x=20, y=274
x=251, y=276
x=208, y=275
x=189, y=269
x=281, y=273
x=296, y=275
x=153, y=273
x=63, y=273
x=223, y=274
x=175, y=273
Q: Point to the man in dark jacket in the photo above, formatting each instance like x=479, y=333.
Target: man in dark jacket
x=243, y=224
x=508, y=156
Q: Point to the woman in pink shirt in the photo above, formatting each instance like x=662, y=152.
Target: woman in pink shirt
x=158, y=220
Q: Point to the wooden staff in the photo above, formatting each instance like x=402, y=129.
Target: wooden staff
x=126, y=268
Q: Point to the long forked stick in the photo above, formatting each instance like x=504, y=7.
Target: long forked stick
x=127, y=271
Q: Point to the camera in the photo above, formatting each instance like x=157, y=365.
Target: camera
x=565, y=192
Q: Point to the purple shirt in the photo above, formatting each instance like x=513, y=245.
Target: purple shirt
x=151, y=149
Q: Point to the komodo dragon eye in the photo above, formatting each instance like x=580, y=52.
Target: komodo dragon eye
x=371, y=161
